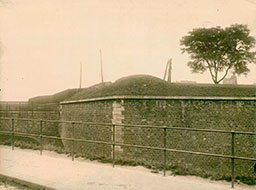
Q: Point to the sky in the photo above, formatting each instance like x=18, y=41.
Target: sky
x=43, y=42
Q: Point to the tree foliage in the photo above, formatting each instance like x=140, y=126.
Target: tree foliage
x=220, y=50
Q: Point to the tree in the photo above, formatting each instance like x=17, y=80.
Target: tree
x=220, y=50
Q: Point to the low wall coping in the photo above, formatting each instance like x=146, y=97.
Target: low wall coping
x=158, y=98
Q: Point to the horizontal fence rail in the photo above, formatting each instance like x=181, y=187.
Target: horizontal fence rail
x=113, y=142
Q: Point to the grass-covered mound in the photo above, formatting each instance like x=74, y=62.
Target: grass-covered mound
x=55, y=98
x=65, y=95
x=145, y=85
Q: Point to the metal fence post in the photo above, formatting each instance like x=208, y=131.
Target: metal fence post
x=73, y=136
x=32, y=115
x=19, y=109
x=165, y=151
x=12, y=134
x=232, y=159
x=113, y=144
x=7, y=110
x=41, y=137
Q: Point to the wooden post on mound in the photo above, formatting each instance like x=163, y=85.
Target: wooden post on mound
x=101, y=68
x=168, y=71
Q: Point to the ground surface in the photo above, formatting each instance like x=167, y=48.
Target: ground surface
x=59, y=172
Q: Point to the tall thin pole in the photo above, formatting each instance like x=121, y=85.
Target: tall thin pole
x=170, y=70
x=101, y=66
x=80, y=84
x=165, y=73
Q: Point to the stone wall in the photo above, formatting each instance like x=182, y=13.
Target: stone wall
x=26, y=110
x=237, y=115
x=30, y=111
x=93, y=111
x=203, y=113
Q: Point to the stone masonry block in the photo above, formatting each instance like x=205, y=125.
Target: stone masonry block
x=118, y=117
x=119, y=109
x=117, y=112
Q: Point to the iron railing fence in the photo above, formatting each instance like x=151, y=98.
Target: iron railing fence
x=113, y=143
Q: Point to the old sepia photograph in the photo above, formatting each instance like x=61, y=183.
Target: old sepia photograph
x=127, y=94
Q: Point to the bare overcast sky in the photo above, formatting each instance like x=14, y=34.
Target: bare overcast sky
x=43, y=41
